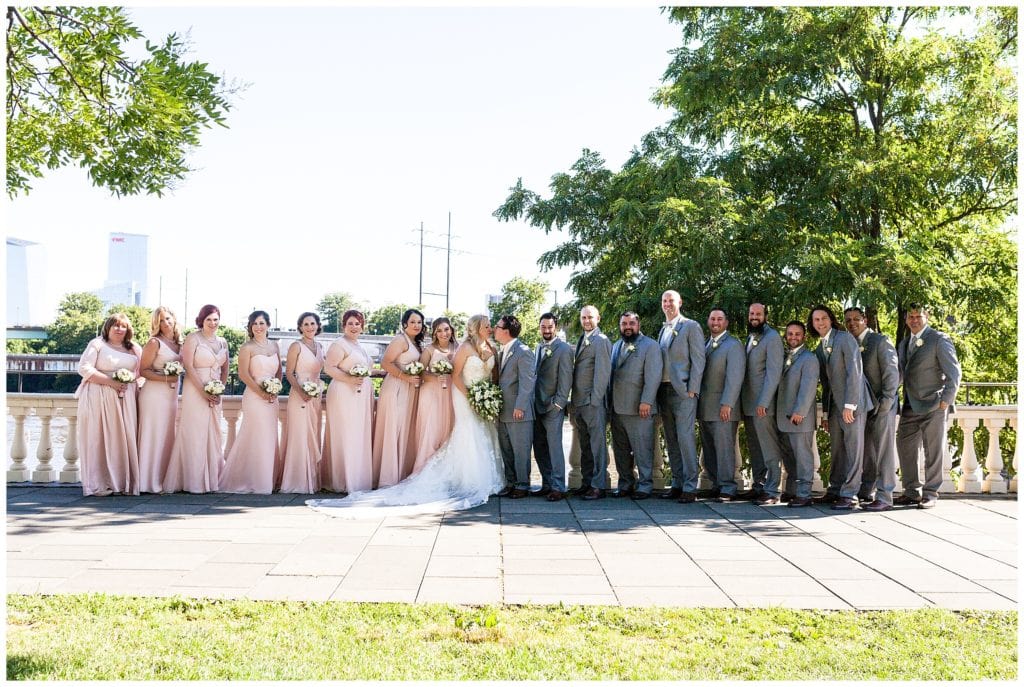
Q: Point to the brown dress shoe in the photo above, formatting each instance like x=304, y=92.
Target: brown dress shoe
x=749, y=495
x=797, y=502
x=786, y=498
x=555, y=496
x=844, y=503
x=825, y=498
x=593, y=494
x=928, y=502
x=906, y=500
x=876, y=506
x=766, y=500
x=543, y=491
x=507, y=491
x=579, y=491
x=519, y=494
x=687, y=497
x=673, y=493
x=622, y=493
x=640, y=495
x=708, y=493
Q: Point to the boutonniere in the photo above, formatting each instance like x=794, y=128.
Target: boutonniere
x=630, y=348
x=828, y=349
x=547, y=352
x=714, y=344
x=754, y=341
x=919, y=343
x=861, y=347
x=789, y=361
x=674, y=333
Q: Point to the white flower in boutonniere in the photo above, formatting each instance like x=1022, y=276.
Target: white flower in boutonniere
x=919, y=343
x=714, y=344
x=828, y=349
x=586, y=341
x=861, y=347
x=754, y=341
x=789, y=361
x=631, y=348
x=674, y=333
x=547, y=352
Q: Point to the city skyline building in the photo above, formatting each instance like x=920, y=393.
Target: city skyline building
x=26, y=282
x=127, y=280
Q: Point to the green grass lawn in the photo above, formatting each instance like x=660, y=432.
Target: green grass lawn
x=96, y=636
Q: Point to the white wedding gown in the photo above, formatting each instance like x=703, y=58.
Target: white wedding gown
x=463, y=473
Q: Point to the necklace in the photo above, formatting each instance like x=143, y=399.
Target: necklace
x=310, y=344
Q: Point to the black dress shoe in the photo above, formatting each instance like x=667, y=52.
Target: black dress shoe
x=519, y=494
x=749, y=495
x=844, y=503
x=687, y=497
x=786, y=498
x=825, y=498
x=708, y=493
x=876, y=506
x=543, y=491
x=766, y=500
x=906, y=500
x=640, y=495
x=593, y=494
x=622, y=493
x=797, y=502
x=673, y=493
x=554, y=496
x=507, y=491
x=579, y=491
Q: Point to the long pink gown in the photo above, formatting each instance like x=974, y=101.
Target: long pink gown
x=300, y=441
x=393, y=447
x=107, y=424
x=250, y=464
x=433, y=412
x=158, y=411
x=198, y=452
x=347, y=464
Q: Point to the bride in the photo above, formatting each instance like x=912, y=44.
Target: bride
x=464, y=472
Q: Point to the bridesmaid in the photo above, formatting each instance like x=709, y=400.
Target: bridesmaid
x=434, y=407
x=254, y=457
x=107, y=417
x=393, y=444
x=301, y=437
x=158, y=399
x=348, y=458
x=198, y=453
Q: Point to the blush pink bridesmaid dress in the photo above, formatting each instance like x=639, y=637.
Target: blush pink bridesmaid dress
x=158, y=411
x=347, y=464
x=433, y=412
x=393, y=444
x=300, y=453
x=198, y=452
x=250, y=464
x=107, y=423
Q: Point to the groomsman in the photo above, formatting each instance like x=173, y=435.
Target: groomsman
x=761, y=381
x=516, y=365
x=796, y=415
x=551, y=397
x=718, y=407
x=881, y=370
x=682, y=350
x=931, y=377
x=592, y=374
x=636, y=374
x=846, y=402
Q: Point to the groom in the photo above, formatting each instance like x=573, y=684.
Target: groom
x=516, y=377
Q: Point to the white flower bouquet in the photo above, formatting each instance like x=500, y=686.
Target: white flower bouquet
x=313, y=388
x=124, y=375
x=272, y=385
x=214, y=387
x=173, y=367
x=359, y=371
x=415, y=368
x=485, y=399
x=442, y=367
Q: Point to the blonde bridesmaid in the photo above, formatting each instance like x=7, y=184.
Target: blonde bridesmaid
x=198, y=452
x=158, y=399
x=300, y=469
x=255, y=457
x=347, y=464
x=434, y=407
x=393, y=446
x=107, y=416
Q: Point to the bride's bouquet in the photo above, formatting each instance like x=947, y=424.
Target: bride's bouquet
x=272, y=385
x=485, y=399
x=442, y=367
x=173, y=367
x=359, y=371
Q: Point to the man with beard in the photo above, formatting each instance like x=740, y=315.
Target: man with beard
x=682, y=349
x=796, y=413
x=636, y=375
x=591, y=378
x=718, y=407
x=764, y=370
x=881, y=370
x=551, y=397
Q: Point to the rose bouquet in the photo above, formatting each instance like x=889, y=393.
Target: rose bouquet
x=313, y=388
x=272, y=385
x=359, y=371
x=173, y=367
x=415, y=368
x=442, y=367
x=125, y=376
x=485, y=399
x=214, y=387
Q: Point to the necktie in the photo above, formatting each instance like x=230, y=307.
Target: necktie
x=501, y=359
x=912, y=346
x=579, y=345
x=615, y=355
x=540, y=356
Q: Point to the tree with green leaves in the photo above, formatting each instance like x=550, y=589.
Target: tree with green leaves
x=386, y=320
x=458, y=320
x=74, y=96
x=78, y=321
x=332, y=306
x=523, y=298
x=845, y=155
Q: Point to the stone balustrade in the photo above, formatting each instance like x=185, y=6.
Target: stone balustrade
x=977, y=476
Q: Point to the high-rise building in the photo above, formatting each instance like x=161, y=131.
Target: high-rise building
x=26, y=282
x=127, y=270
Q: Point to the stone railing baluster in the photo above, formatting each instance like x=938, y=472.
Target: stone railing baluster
x=18, y=472
x=1016, y=454
x=994, y=482
x=971, y=474
x=44, y=451
x=69, y=474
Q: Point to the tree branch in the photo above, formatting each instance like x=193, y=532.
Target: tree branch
x=57, y=57
x=974, y=210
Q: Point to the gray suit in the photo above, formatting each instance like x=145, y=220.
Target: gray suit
x=881, y=369
x=721, y=386
x=765, y=356
x=551, y=398
x=636, y=375
x=931, y=374
x=796, y=397
x=682, y=351
x=516, y=379
x=591, y=377
x=842, y=383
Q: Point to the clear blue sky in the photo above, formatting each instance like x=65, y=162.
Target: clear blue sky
x=358, y=124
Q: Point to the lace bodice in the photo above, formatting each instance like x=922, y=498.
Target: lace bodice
x=476, y=369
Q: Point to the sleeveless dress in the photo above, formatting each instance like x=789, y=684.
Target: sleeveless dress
x=107, y=423
x=393, y=444
x=434, y=417
x=462, y=474
x=158, y=412
x=250, y=464
x=198, y=452
x=347, y=464
x=300, y=439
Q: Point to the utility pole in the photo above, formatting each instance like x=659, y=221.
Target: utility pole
x=448, y=264
x=420, y=302
x=185, y=314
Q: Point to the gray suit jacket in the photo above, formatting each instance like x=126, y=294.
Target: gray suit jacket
x=842, y=375
x=764, y=370
x=592, y=372
x=796, y=393
x=636, y=376
x=931, y=374
x=882, y=370
x=722, y=380
x=684, y=357
x=516, y=379
x=554, y=376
